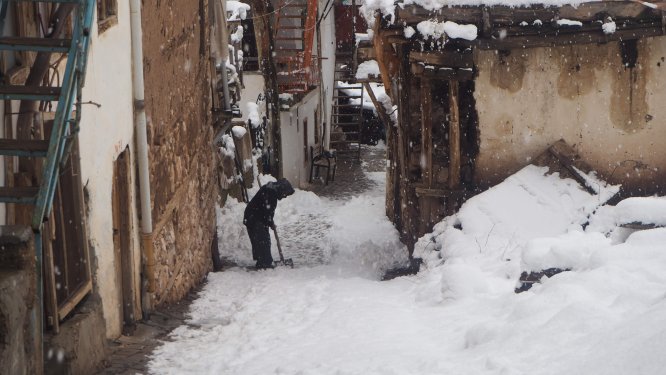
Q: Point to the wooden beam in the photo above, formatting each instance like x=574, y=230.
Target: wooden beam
x=387, y=60
x=426, y=132
x=454, y=136
x=455, y=74
x=554, y=39
x=449, y=59
x=441, y=193
x=378, y=106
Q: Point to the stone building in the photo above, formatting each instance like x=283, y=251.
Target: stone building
x=133, y=218
x=483, y=90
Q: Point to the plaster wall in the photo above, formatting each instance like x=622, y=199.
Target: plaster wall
x=611, y=114
x=105, y=133
x=295, y=164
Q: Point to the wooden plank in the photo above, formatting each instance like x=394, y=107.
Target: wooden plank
x=454, y=136
x=450, y=59
x=16, y=92
x=50, y=296
x=438, y=192
x=74, y=299
x=553, y=39
x=447, y=74
x=426, y=131
x=378, y=43
x=23, y=147
x=18, y=193
x=378, y=106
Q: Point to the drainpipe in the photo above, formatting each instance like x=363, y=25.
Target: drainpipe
x=220, y=49
x=142, y=149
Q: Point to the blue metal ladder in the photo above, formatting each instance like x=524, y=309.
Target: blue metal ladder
x=66, y=122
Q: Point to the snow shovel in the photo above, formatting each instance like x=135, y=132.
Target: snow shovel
x=286, y=262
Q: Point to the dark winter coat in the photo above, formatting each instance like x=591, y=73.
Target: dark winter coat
x=261, y=208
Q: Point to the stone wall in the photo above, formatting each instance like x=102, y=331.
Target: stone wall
x=19, y=346
x=182, y=157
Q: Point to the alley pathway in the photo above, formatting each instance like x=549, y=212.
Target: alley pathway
x=305, y=228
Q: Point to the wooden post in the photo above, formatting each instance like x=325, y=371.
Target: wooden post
x=454, y=137
x=426, y=131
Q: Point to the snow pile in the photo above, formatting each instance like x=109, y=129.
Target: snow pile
x=366, y=69
x=459, y=315
x=237, y=10
x=228, y=148
x=409, y=32
x=609, y=27
x=253, y=118
x=436, y=30
x=237, y=36
x=643, y=210
x=567, y=22
x=238, y=131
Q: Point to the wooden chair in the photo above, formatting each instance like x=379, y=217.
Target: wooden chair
x=320, y=158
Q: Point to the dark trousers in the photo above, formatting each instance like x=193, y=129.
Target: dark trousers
x=261, y=244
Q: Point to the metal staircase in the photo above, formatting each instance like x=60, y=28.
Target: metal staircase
x=346, y=114
x=295, y=24
x=54, y=151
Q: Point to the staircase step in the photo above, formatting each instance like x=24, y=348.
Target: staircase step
x=285, y=27
x=347, y=97
x=22, y=195
x=11, y=92
x=23, y=147
x=35, y=44
x=289, y=38
x=289, y=49
x=346, y=105
x=347, y=123
x=301, y=16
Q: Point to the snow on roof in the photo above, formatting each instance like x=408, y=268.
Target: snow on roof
x=387, y=7
x=452, y=30
x=237, y=10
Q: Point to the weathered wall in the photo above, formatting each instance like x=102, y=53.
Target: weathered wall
x=612, y=115
x=295, y=167
x=19, y=347
x=182, y=157
x=105, y=132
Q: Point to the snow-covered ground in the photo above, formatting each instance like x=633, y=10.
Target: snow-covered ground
x=459, y=315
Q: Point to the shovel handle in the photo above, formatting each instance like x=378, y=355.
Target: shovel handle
x=277, y=240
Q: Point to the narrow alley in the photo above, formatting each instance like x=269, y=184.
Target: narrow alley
x=331, y=232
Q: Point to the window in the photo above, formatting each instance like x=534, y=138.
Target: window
x=107, y=11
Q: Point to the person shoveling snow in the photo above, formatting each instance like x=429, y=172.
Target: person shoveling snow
x=258, y=218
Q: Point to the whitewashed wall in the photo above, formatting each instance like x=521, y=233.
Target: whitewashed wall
x=327, y=32
x=105, y=133
x=296, y=167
